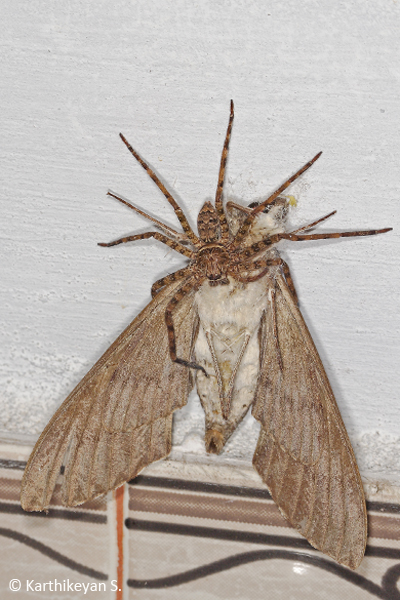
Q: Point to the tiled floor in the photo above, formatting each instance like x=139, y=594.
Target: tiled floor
x=182, y=537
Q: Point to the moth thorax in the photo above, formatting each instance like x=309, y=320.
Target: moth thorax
x=213, y=262
x=208, y=223
x=271, y=220
x=278, y=209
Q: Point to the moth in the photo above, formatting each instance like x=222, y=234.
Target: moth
x=228, y=321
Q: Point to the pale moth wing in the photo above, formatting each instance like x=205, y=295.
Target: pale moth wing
x=303, y=453
x=231, y=317
x=118, y=419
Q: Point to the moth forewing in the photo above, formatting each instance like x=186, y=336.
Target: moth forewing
x=118, y=418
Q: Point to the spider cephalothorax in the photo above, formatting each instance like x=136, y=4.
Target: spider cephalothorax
x=213, y=261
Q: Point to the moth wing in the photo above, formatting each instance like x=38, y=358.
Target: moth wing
x=118, y=419
x=303, y=453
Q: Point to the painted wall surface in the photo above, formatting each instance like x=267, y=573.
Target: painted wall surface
x=305, y=76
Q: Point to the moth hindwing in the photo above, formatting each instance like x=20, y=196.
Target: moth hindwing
x=231, y=317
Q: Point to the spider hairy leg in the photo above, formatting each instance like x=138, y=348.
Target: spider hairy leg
x=265, y=264
x=160, y=283
x=165, y=228
x=275, y=330
x=237, y=240
x=191, y=283
x=258, y=247
x=221, y=176
x=325, y=236
x=285, y=185
x=178, y=211
x=151, y=234
x=314, y=223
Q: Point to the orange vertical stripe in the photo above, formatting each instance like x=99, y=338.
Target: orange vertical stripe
x=119, y=502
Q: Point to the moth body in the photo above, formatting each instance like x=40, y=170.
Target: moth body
x=231, y=314
x=227, y=347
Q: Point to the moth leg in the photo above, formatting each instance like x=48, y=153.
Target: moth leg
x=220, y=423
x=226, y=408
x=275, y=329
x=214, y=438
x=156, y=235
x=169, y=279
x=179, y=294
x=226, y=398
x=178, y=211
x=215, y=364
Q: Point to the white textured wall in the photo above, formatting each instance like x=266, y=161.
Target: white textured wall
x=305, y=76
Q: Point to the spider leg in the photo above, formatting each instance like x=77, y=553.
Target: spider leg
x=246, y=225
x=275, y=329
x=179, y=294
x=178, y=211
x=260, y=263
x=247, y=266
x=169, y=279
x=285, y=185
x=254, y=249
x=156, y=235
x=265, y=264
x=244, y=209
x=311, y=225
x=218, y=196
x=248, y=211
x=293, y=237
x=289, y=281
x=250, y=278
x=181, y=237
